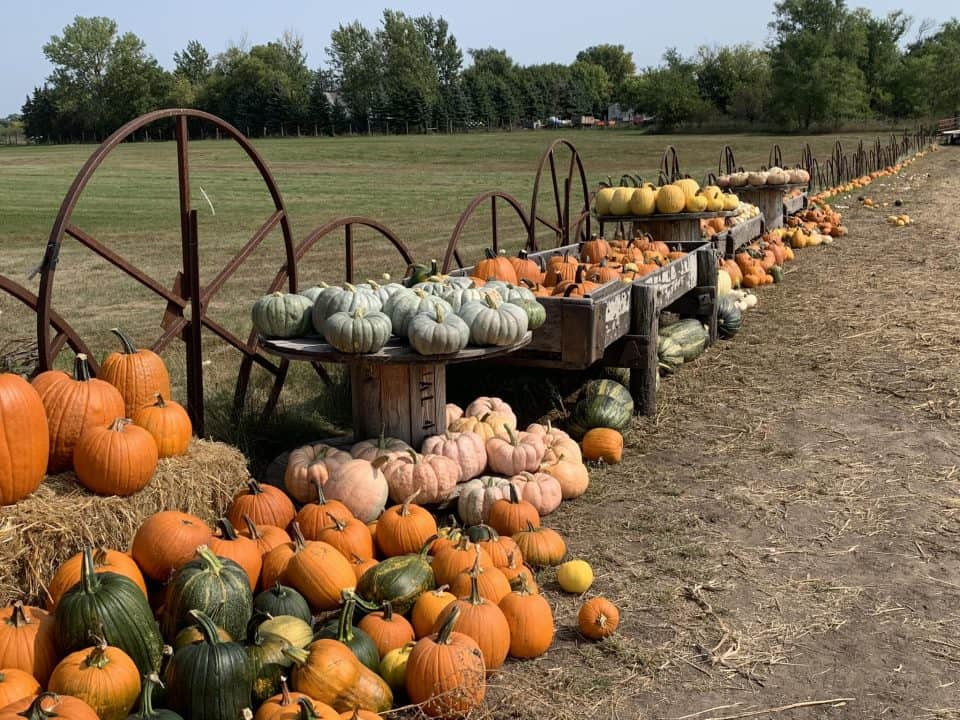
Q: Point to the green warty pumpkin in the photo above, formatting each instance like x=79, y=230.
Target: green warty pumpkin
x=398, y=580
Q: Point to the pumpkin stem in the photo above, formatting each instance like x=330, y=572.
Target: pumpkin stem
x=36, y=709
x=299, y=541
x=321, y=498
x=524, y=585
x=345, y=621
x=81, y=368
x=350, y=287
x=530, y=527
x=405, y=507
x=425, y=548
x=18, y=618
x=119, y=423
x=227, y=529
x=340, y=526
x=387, y=611
x=475, y=598
x=307, y=711
x=443, y=636
x=160, y=402
x=254, y=487
x=150, y=681
x=98, y=655
x=207, y=627
x=414, y=456
x=298, y=656
x=512, y=435
x=440, y=315
x=252, y=528
x=514, y=498
x=125, y=341
x=88, y=573
x=210, y=560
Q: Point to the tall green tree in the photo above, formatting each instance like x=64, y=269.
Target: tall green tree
x=616, y=62
x=410, y=79
x=193, y=63
x=356, y=65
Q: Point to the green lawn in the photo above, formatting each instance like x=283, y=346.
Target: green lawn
x=417, y=185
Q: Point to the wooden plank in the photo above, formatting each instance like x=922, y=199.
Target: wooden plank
x=645, y=323
x=683, y=229
x=395, y=401
x=794, y=205
x=672, y=281
x=365, y=398
x=428, y=396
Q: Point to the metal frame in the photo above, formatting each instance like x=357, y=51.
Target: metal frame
x=452, y=253
x=187, y=291
x=561, y=202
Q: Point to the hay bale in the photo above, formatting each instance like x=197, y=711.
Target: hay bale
x=41, y=531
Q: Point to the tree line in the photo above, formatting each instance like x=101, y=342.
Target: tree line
x=824, y=64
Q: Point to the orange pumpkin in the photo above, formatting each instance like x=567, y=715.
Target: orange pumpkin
x=427, y=609
x=598, y=618
x=49, y=705
x=103, y=677
x=169, y=425
x=166, y=541
x=104, y=560
x=387, y=629
x=119, y=459
x=15, y=685
x=525, y=268
x=139, y=375
x=23, y=452
x=242, y=550
x=264, y=504
x=603, y=444
x=495, y=267
x=27, y=640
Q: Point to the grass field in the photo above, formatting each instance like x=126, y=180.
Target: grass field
x=417, y=185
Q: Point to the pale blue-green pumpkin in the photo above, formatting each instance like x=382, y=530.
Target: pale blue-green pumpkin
x=438, y=333
x=493, y=322
x=359, y=331
x=343, y=299
x=403, y=306
x=282, y=315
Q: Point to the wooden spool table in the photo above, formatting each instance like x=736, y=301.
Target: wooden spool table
x=396, y=391
x=679, y=227
x=770, y=200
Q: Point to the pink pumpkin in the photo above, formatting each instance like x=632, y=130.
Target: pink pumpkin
x=517, y=452
x=572, y=476
x=378, y=447
x=466, y=449
x=309, y=465
x=486, y=426
x=452, y=412
x=557, y=442
x=432, y=476
x=361, y=487
x=483, y=405
x=540, y=489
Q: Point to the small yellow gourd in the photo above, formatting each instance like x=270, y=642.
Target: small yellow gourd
x=575, y=576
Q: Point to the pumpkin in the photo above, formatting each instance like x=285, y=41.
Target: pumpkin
x=575, y=576
x=48, y=705
x=145, y=709
x=264, y=504
x=518, y=573
x=524, y=267
x=27, y=640
x=598, y=618
x=600, y=411
x=484, y=405
x=342, y=629
x=360, y=566
x=439, y=332
x=16, y=684
x=25, y=447
x=498, y=547
x=511, y=514
x=594, y=250
x=427, y=609
x=315, y=516
x=493, y=322
x=282, y=315
x=350, y=537
x=432, y=476
x=309, y=465
x=530, y=621
x=445, y=672
x=327, y=671
x=486, y=426
x=452, y=412
x=72, y=405
x=266, y=662
x=536, y=313
x=495, y=267
x=540, y=489
x=317, y=571
x=610, y=388
x=347, y=299
x=670, y=199
x=282, y=600
x=139, y=375
x=492, y=584
x=210, y=680
x=166, y=540
x=478, y=495
x=404, y=306
x=541, y=545
x=457, y=558
x=119, y=459
x=518, y=452
x=457, y=297
x=729, y=318
x=360, y=331
x=405, y=528
x=669, y=354
x=574, y=478
x=371, y=450
x=399, y=580
x=242, y=550
x=168, y=423
x=387, y=629
x=482, y=620
x=192, y=634
x=557, y=443
x=361, y=487
x=215, y=585
x=393, y=667
x=690, y=335
x=104, y=560
x=288, y=705
x=466, y=449
x=103, y=677
x=116, y=609
x=267, y=538
x=603, y=444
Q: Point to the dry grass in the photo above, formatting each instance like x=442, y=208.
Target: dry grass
x=38, y=533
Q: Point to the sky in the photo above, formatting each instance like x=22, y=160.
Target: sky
x=530, y=32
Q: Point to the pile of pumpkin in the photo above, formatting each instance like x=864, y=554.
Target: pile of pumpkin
x=710, y=228
x=111, y=431
x=818, y=219
x=350, y=602
x=773, y=177
x=634, y=198
x=865, y=180
x=437, y=315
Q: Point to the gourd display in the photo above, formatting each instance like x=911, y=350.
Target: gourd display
x=138, y=374
x=103, y=677
x=433, y=477
x=168, y=423
x=360, y=331
x=281, y=315
x=438, y=332
x=23, y=454
x=73, y=405
x=119, y=459
x=493, y=322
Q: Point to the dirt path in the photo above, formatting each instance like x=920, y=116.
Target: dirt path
x=788, y=528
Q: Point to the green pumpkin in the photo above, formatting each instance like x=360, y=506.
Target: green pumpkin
x=210, y=680
x=312, y=293
x=457, y=296
x=776, y=272
x=268, y=665
x=438, y=333
x=493, y=322
x=359, y=331
x=342, y=628
x=283, y=600
x=669, y=354
x=729, y=318
x=610, y=388
x=217, y=586
x=145, y=709
x=417, y=273
x=193, y=634
x=536, y=312
x=516, y=294
x=404, y=306
x=690, y=335
x=398, y=580
x=282, y=315
x=481, y=533
x=113, y=607
x=600, y=411
x=621, y=375
x=348, y=299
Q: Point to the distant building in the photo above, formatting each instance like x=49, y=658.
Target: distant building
x=621, y=116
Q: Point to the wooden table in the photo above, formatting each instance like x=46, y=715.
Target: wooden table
x=679, y=227
x=769, y=198
x=730, y=240
x=396, y=391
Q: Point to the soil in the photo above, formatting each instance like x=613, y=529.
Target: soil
x=787, y=528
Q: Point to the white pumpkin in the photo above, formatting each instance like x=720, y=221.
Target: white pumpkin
x=478, y=495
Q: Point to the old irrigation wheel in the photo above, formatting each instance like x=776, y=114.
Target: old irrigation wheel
x=186, y=302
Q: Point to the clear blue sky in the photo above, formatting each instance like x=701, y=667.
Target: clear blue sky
x=530, y=32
